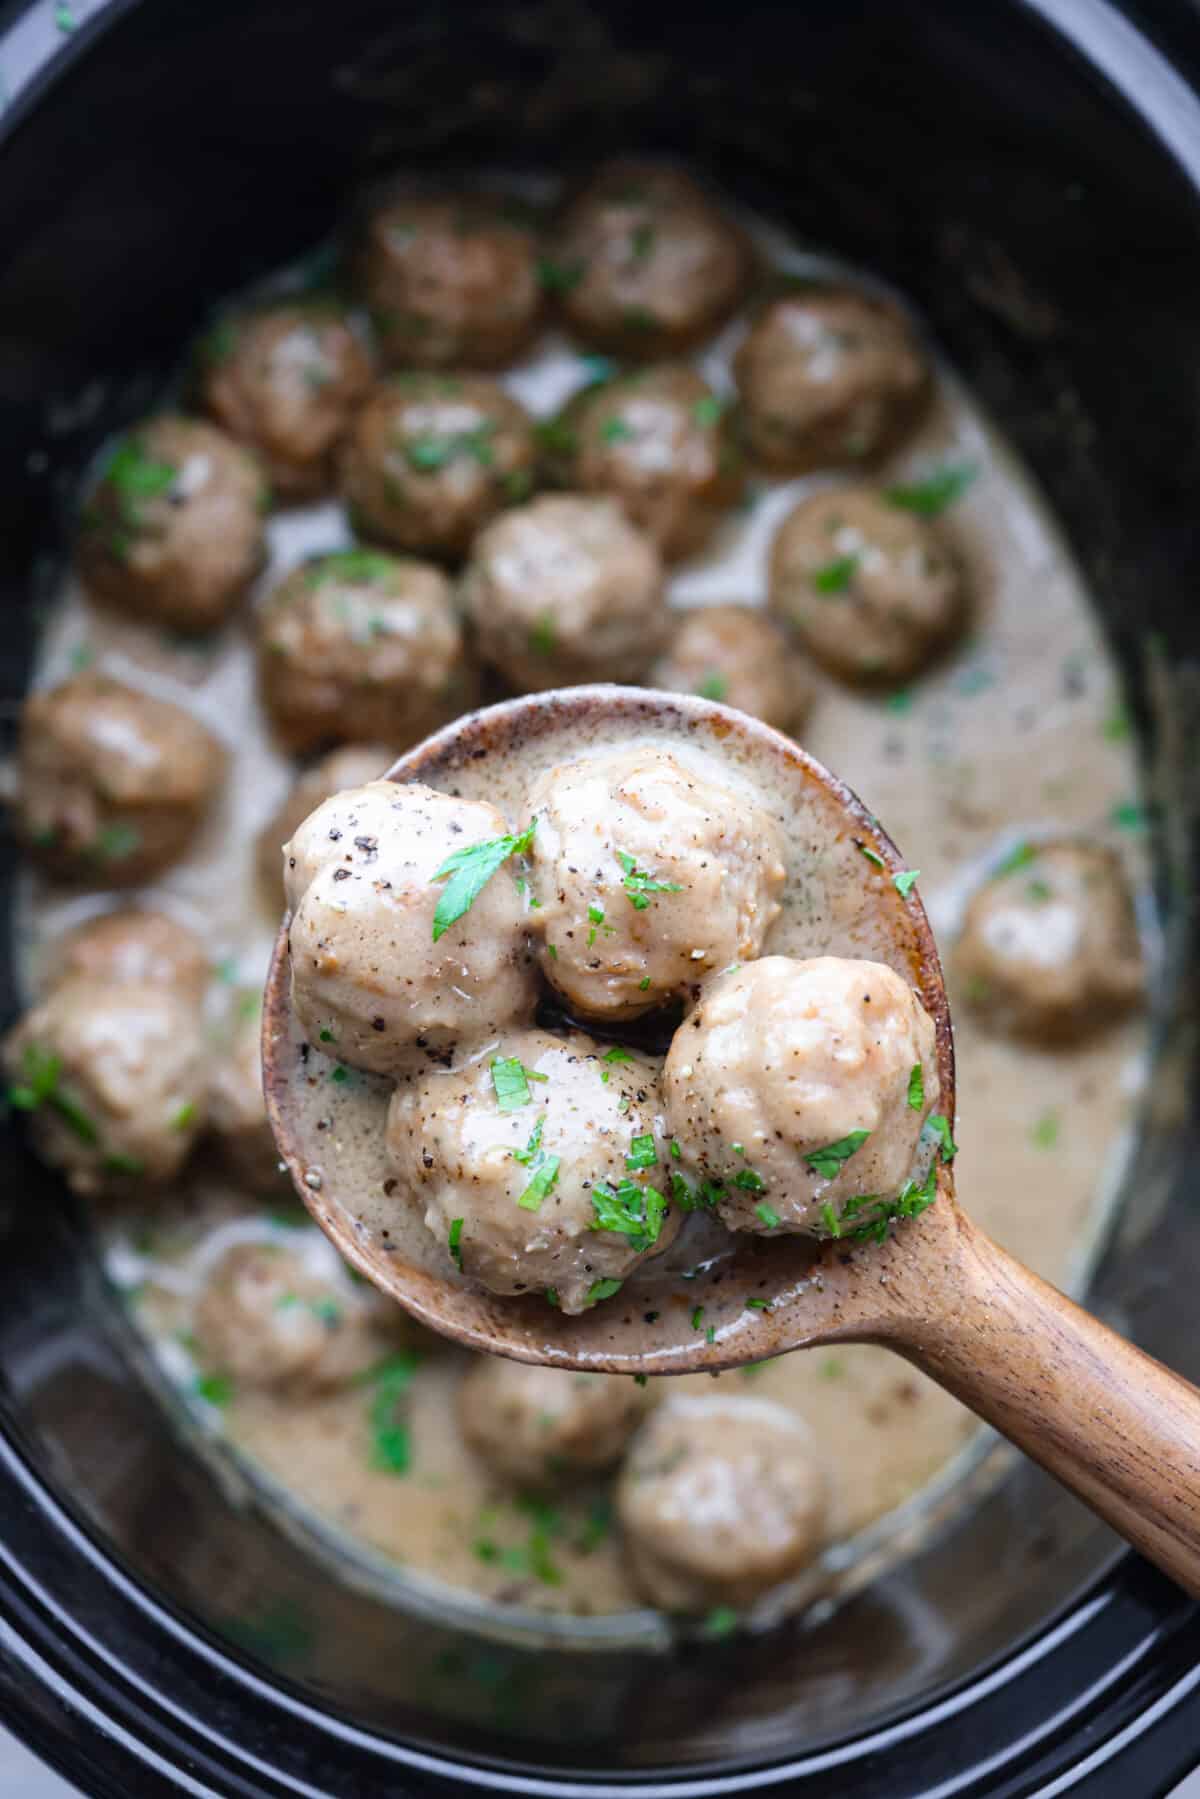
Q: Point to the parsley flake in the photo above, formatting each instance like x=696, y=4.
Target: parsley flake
x=749, y=1180
x=768, y=1215
x=633, y=1212
x=391, y=1448
x=467, y=872
x=713, y=687
x=42, y=1069
x=835, y=576
x=541, y=1182
x=454, y=1242
x=604, y=1289
x=827, y=1162
x=642, y=1153
x=934, y=493
x=905, y=881
x=510, y=1082
x=639, y=885
x=916, y=1087
x=872, y=856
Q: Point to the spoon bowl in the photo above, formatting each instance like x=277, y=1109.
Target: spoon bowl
x=1118, y=1428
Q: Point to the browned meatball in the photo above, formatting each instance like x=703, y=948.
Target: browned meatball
x=1049, y=946
x=739, y=656
x=872, y=590
x=113, y=1079
x=287, y=379
x=538, y=1426
x=645, y=263
x=829, y=378
x=358, y=644
x=433, y=457
x=351, y=766
x=173, y=531
x=657, y=441
x=566, y=590
x=113, y=783
x=271, y=1316
x=237, y=1112
x=720, y=1500
x=131, y=945
x=450, y=280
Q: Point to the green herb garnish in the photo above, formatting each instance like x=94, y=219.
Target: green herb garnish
x=767, y=1215
x=916, y=1087
x=391, y=1450
x=871, y=1215
x=905, y=881
x=872, y=856
x=349, y=566
x=639, y=885
x=633, y=1212
x=468, y=871
x=835, y=576
x=1019, y=856
x=454, y=1242
x=604, y=1289
x=183, y=1115
x=542, y=638
x=559, y=277
x=708, y=409
x=642, y=1153
x=749, y=1180
x=541, y=1182
x=713, y=687
x=217, y=1389
x=1045, y=1132
x=828, y=1162
x=933, y=494
x=510, y=1081
x=697, y=1317
x=42, y=1070
x=939, y=1126
x=1129, y=816
x=722, y=1621
x=615, y=431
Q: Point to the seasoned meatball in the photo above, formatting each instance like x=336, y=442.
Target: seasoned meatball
x=451, y=280
x=1049, y=947
x=738, y=655
x=536, y=1426
x=719, y=1500
x=644, y=261
x=358, y=644
x=287, y=379
x=113, y=1076
x=112, y=783
x=872, y=591
x=538, y=1170
x=658, y=442
x=828, y=378
x=566, y=590
x=269, y=1317
x=648, y=874
x=173, y=531
x=433, y=457
x=131, y=945
x=237, y=1113
x=351, y=766
x=797, y=1087
x=369, y=978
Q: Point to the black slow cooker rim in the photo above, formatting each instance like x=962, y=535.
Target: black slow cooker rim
x=180, y=1713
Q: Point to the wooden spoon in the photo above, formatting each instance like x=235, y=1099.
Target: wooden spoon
x=1112, y=1424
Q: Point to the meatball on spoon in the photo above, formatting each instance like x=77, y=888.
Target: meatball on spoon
x=916, y=1276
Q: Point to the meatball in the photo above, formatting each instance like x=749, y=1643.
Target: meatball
x=237, y=1112
x=287, y=379
x=1049, y=946
x=566, y=590
x=358, y=644
x=872, y=590
x=645, y=263
x=738, y=655
x=828, y=378
x=433, y=457
x=131, y=945
x=648, y=874
x=528, y=1152
x=536, y=1426
x=268, y=1318
x=351, y=766
x=657, y=441
x=451, y=280
x=796, y=1089
x=112, y=783
x=375, y=977
x=173, y=531
x=719, y=1500
x=113, y=1075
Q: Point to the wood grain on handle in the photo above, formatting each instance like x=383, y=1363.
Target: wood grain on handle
x=1112, y=1424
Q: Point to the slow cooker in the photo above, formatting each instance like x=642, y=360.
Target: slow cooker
x=1027, y=172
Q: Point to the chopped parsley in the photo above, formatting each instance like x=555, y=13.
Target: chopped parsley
x=1044, y=1134
x=326, y=1037
x=551, y=1296
x=604, y=1289
x=768, y=1215
x=633, y=1212
x=1116, y=725
x=340, y=1074
x=542, y=638
x=391, y=1447
x=42, y=1070
x=644, y=984
x=136, y=476
x=454, y=1242
x=676, y=1149
x=1019, y=856
x=468, y=871
x=749, y=1180
x=428, y=454
x=559, y=277
x=117, y=1162
x=1128, y=816
x=510, y=1081
x=938, y=1125
x=871, y=1216
x=905, y=881
x=349, y=566
x=617, y=1054
x=642, y=1153
x=639, y=885
x=115, y=842
x=828, y=1162
x=872, y=856
x=713, y=687
x=217, y=1389
x=758, y=1305
x=541, y=1180
x=916, y=1087
x=707, y=410
x=835, y=576
x=697, y=1317
x=722, y=1621
x=615, y=431
x=934, y=493
x=183, y=1115
x=598, y=922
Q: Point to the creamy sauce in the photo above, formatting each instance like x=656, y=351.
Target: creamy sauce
x=1017, y=734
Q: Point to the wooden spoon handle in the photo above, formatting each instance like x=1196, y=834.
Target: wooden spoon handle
x=1112, y=1424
